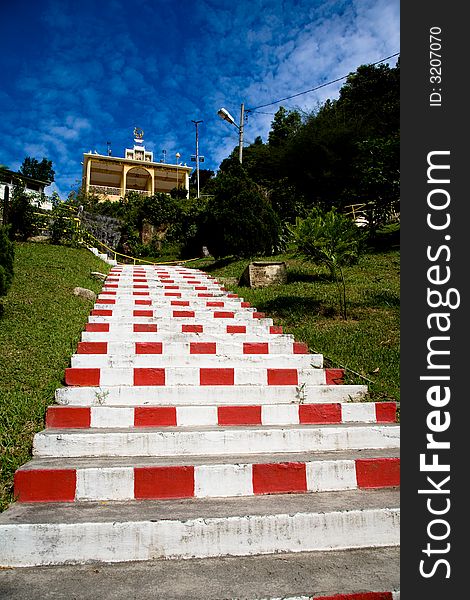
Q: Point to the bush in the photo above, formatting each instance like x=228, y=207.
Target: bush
x=239, y=220
x=21, y=215
x=7, y=255
x=330, y=240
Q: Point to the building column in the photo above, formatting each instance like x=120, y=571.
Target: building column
x=124, y=180
x=88, y=176
x=152, y=182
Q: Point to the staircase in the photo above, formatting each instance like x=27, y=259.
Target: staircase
x=192, y=427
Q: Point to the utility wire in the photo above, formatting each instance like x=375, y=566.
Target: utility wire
x=315, y=88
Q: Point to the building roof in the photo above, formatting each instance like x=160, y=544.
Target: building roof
x=17, y=175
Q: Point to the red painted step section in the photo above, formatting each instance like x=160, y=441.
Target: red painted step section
x=145, y=327
x=192, y=328
x=334, y=376
x=378, y=472
x=279, y=477
x=45, y=485
x=154, y=416
x=386, y=412
x=149, y=376
x=163, y=482
x=239, y=415
x=313, y=414
x=103, y=327
x=283, y=377
x=74, y=417
x=83, y=377
x=148, y=347
x=255, y=348
x=358, y=596
x=202, y=348
x=92, y=348
x=236, y=328
x=216, y=376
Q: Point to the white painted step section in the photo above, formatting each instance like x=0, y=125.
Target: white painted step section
x=208, y=395
x=215, y=441
x=66, y=533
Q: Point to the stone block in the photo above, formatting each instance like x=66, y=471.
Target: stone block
x=263, y=274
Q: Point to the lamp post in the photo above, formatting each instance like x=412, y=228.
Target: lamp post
x=226, y=116
x=197, y=155
x=177, y=174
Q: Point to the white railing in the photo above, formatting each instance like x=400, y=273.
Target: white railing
x=105, y=189
x=114, y=191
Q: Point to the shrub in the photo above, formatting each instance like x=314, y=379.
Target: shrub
x=330, y=240
x=239, y=220
x=21, y=214
x=7, y=255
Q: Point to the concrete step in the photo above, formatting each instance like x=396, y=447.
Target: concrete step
x=137, y=395
x=359, y=574
x=215, y=345
x=151, y=355
x=248, y=375
x=83, y=417
x=123, y=330
x=203, y=316
x=145, y=478
x=168, y=308
x=213, y=441
x=126, y=285
x=144, y=290
x=153, y=299
x=74, y=533
x=103, y=332
x=213, y=324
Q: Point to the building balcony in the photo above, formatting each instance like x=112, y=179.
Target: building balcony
x=106, y=190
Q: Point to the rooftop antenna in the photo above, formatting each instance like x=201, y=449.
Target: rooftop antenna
x=163, y=156
x=108, y=144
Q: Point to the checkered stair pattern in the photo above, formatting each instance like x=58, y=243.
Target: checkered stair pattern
x=191, y=426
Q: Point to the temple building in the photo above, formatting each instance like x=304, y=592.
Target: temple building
x=111, y=177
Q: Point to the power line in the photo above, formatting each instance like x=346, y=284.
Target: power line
x=317, y=87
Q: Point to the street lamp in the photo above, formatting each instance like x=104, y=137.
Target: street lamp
x=177, y=163
x=226, y=116
x=197, y=155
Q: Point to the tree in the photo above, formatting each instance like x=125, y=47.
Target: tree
x=42, y=171
x=7, y=255
x=205, y=175
x=239, y=220
x=378, y=179
x=286, y=124
x=330, y=240
x=21, y=213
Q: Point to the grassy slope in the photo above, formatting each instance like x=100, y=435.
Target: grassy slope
x=39, y=332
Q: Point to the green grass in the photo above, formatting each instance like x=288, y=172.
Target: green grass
x=366, y=344
x=39, y=332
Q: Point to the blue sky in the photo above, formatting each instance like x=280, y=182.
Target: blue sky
x=76, y=75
